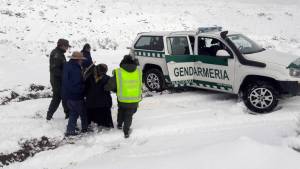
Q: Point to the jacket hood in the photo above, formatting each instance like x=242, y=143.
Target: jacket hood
x=274, y=57
x=128, y=67
x=84, y=51
x=128, y=64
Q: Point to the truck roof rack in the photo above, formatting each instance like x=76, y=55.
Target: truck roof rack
x=209, y=29
x=182, y=32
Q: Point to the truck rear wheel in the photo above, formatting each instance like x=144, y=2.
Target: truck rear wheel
x=154, y=80
x=260, y=97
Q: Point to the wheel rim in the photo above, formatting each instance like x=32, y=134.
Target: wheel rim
x=261, y=98
x=153, y=81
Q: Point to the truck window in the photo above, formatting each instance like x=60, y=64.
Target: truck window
x=150, y=43
x=209, y=46
x=244, y=44
x=178, y=46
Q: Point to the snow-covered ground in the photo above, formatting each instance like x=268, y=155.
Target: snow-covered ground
x=195, y=129
x=183, y=130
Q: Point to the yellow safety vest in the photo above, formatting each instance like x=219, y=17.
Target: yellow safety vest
x=129, y=85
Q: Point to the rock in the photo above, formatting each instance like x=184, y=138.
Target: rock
x=13, y=95
x=34, y=87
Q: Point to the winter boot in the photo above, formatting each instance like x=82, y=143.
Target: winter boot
x=48, y=117
x=88, y=130
x=127, y=133
x=70, y=134
x=119, y=126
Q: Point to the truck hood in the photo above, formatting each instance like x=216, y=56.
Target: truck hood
x=275, y=57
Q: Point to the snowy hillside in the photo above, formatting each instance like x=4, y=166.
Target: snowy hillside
x=194, y=129
x=30, y=29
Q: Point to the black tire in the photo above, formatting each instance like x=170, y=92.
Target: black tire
x=260, y=97
x=154, y=80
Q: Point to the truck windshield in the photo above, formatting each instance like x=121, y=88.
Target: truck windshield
x=244, y=44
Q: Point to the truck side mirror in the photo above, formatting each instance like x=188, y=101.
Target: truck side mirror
x=223, y=53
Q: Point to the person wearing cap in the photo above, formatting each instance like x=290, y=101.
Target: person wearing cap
x=98, y=101
x=57, y=61
x=127, y=83
x=73, y=93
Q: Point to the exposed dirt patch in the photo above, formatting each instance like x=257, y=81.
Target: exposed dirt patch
x=28, y=149
x=34, y=91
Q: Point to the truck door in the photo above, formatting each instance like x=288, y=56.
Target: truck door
x=213, y=71
x=180, y=60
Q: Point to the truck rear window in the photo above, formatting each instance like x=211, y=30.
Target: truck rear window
x=178, y=45
x=150, y=43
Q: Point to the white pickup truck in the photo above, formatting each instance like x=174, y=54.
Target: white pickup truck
x=213, y=59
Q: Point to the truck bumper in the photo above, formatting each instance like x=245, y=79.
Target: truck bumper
x=290, y=87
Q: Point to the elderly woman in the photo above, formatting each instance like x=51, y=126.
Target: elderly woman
x=73, y=93
x=98, y=101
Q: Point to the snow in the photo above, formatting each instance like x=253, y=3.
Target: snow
x=234, y=155
x=26, y=41
x=177, y=135
x=194, y=129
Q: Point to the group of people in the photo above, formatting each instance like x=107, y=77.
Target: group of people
x=85, y=90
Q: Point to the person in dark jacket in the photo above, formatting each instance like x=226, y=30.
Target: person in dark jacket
x=86, y=51
x=57, y=61
x=73, y=92
x=98, y=101
x=125, y=110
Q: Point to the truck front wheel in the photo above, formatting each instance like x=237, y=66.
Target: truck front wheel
x=260, y=97
x=154, y=80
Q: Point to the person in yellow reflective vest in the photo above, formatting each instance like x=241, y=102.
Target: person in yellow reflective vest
x=127, y=83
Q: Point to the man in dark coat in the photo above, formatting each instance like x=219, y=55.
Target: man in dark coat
x=57, y=61
x=73, y=92
x=125, y=110
x=86, y=51
x=98, y=101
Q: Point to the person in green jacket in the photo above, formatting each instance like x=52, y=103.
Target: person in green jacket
x=57, y=61
x=127, y=83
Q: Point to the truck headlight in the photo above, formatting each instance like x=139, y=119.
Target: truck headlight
x=295, y=72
